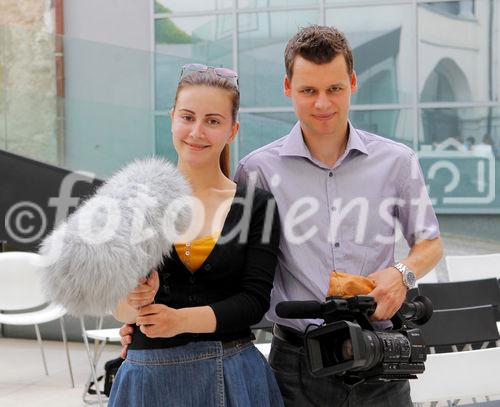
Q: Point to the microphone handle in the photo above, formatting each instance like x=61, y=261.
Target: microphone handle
x=299, y=309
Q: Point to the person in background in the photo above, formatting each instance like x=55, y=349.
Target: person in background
x=487, y=144
x=469, y=143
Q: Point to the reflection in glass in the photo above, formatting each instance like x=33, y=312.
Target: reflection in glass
x=456, y=41
x=259, y=129
x=179, y=6
x=206, y=40
x=274, y=3
x=262, y=38
x=163, y=138
x=466, y=129
x=464, y=8
x=382, y=39
x=343, y=2
x=446, y=83
x=393, y=124
x=101, y=137
x=460, y=157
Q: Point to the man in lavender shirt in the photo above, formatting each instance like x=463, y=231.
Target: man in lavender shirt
x=340, y=192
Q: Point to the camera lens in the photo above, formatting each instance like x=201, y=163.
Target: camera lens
x=419, y=310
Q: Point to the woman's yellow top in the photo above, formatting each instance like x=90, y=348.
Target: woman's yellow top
x=194, y=253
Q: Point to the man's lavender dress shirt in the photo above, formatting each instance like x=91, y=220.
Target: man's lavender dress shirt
x=340, y=218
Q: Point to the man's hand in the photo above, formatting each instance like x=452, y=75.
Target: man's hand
x=158, y=320
x=126, y=332
x=389, y=293
x=145, y=292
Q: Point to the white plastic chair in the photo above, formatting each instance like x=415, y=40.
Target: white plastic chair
x=430, y=277
x=474, y=267
x=101, y=337
x=463, y=268
x=20, y=290
x=264, y=348
x=458, y=375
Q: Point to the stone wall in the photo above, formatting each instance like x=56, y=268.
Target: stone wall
x=28, y=102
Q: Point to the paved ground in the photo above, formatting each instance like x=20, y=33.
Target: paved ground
x=22, y=379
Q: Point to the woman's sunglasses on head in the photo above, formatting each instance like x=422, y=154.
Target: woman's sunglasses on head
x=225, y=73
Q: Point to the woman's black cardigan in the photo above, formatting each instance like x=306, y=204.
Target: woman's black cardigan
x=236, y=278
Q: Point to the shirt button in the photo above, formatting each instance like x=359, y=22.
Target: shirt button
x=330, y=174
x=191, y=298
x=208, y=267
x=192, y=279
x=337, y=244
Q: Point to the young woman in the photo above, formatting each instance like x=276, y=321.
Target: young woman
x=192, y=346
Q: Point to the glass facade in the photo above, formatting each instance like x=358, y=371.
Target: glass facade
x=180, y=6
x=243, y=4
x=258, y=129
x=396, y=124
x=428, y=77
x=457, y=64
x=262, y=38
x=460, y=157
x=206, y=39
x=382, y=38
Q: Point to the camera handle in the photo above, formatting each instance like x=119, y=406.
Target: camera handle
x=354, y=309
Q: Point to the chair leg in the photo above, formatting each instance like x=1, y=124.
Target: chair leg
x=99, y=322
x=96, y=359
x=39, y=339
x=65, y=340
x=91, y=362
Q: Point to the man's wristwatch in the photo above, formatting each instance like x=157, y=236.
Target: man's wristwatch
x=409, y=278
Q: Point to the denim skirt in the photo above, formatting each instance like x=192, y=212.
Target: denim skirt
x=201, y=374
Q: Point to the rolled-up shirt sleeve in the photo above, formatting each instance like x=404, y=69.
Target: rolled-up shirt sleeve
x=414, y=210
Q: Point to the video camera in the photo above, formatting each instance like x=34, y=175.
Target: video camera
x=348, y=345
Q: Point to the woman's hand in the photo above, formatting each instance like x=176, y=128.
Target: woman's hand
x=158, y=320
x=145, y=292
x=126, y=332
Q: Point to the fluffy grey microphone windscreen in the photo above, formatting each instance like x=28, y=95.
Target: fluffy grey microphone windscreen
x=94, y=258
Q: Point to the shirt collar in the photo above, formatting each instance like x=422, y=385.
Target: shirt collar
x=294, y=144
x=355, y=142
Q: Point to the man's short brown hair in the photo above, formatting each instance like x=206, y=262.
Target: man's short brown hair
x=318, y=44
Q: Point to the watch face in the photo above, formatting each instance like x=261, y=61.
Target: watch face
x=410, y=279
